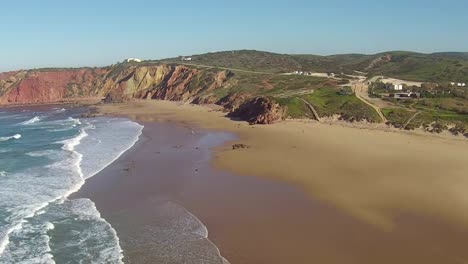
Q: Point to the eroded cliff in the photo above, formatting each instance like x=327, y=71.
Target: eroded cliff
x=125, y=82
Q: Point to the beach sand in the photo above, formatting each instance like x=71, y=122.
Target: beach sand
x=321, y=193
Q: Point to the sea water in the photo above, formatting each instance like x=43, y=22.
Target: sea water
x=46, y=155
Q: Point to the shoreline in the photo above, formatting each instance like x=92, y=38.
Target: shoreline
x=76, y=102
x=117, y=175
x=385, y=202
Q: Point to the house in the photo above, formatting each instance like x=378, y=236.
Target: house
x=133, y=60
x=409, y=95
x=398, y=87
x=187, y=58
x=461, y=84
x=452, y=84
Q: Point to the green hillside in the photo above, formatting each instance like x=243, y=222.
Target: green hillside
x=437, y=67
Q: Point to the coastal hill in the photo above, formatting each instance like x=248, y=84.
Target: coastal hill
x=263, y=87
x=411, y=66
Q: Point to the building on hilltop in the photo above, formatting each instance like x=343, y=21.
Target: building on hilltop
x=186, y=58
x=133, y=60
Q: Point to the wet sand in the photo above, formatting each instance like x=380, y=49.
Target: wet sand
x=323, y=194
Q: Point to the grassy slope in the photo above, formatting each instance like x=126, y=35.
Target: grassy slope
x=329, y=102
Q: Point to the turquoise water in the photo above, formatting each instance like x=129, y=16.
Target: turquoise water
x=45, y=155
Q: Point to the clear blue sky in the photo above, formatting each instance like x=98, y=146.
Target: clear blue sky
x=99, y=32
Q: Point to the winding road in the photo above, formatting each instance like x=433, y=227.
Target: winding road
x=361, y=90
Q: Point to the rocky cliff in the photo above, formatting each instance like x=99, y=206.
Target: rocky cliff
x=126, y=81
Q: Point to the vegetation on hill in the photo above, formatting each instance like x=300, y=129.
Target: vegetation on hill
x=413, y=66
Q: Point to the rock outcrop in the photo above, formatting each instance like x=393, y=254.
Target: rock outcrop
x=259, y=110
x=125, y=82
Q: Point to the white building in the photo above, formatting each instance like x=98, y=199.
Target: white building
x=461, y=84
x=133, y=60
x=187, y=58
x=398, y=87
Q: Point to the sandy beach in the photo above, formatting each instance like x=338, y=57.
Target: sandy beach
x=301, y=192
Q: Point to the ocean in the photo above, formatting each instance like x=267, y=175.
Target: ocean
x=46, y=154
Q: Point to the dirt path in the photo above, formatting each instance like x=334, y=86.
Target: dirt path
x=312, y=109
x=229, y=69
x=361, y=90
x=411, y=119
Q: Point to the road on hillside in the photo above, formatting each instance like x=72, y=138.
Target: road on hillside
x=361, y=90
x=229, y=69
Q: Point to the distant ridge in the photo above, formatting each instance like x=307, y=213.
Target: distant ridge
x=434, y=67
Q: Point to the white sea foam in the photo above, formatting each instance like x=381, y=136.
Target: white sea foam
x=60, y=129
x=62, y=178
x=202, y=231
x=74, y=120
x=100, y=150
x=16, y=136
x=86, y=210
x=3, y=173
x=31, y=121
x=28, y=248
x=42, y=153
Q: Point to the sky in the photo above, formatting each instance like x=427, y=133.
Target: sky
x=58, y=33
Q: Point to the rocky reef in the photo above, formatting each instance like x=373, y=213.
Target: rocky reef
x=124, y=82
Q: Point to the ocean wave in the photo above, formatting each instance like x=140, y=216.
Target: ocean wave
x=19, y=211
x=59, y=110
x=3, y=173
x=34, y=240
x=109, y=246
x=16, y=136
x=60, y=129
x=31, y=121
x=5, y=237
x=40, y=192
x=41, y=153
x=75, y=121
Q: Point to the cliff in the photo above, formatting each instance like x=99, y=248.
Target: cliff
x=126, y=81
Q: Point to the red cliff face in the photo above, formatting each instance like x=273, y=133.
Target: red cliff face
x=124, y=82
x=49, y=86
